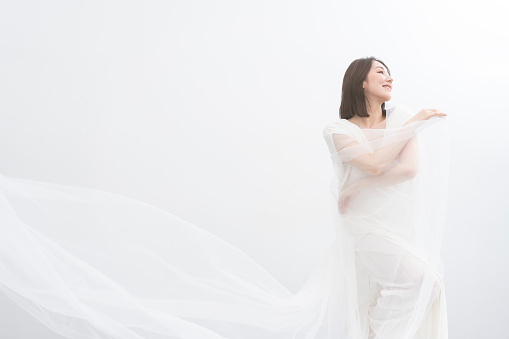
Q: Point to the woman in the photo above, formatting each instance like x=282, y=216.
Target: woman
x=392, y=270
x=91, y=264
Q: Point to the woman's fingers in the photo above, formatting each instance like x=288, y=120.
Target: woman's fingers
x=438, y=112
x=428, y=113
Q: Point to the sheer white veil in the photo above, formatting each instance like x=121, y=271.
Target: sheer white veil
x=91, y=264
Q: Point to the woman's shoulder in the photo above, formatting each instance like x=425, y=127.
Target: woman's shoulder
x=339, y=123
x=401, y=108
x=342, y=126
x=398, y=114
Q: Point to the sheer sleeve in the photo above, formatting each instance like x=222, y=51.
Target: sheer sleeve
x=343, y=142
x=348, y=148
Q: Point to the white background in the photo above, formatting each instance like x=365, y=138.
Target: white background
x=214, y=111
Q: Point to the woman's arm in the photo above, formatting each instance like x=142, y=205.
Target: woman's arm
x=378, y=161
x=404, y=170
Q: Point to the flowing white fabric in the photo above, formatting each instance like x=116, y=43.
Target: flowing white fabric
x=90, y=264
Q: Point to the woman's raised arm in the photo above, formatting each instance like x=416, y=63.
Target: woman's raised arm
x=376, y=162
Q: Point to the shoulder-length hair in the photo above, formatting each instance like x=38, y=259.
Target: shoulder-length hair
x=353, y=101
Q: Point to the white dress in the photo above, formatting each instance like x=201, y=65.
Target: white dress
x=90, y=264
x=393, y=232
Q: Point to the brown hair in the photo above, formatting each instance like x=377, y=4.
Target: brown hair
x=353, y=101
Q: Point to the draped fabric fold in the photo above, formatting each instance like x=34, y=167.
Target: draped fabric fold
x=91, y=264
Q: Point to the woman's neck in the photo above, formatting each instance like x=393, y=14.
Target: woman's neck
x=374, y=120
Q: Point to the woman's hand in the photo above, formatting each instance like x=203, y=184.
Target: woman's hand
x=345, y=196
x=426, y=114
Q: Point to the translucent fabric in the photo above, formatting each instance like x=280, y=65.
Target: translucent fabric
x=90, y=264
x=392, y=227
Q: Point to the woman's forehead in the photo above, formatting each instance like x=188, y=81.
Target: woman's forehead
x=377, y=64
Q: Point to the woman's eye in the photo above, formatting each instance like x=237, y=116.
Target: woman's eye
x=381, y=72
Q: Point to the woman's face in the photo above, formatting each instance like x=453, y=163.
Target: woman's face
x=378, y=83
